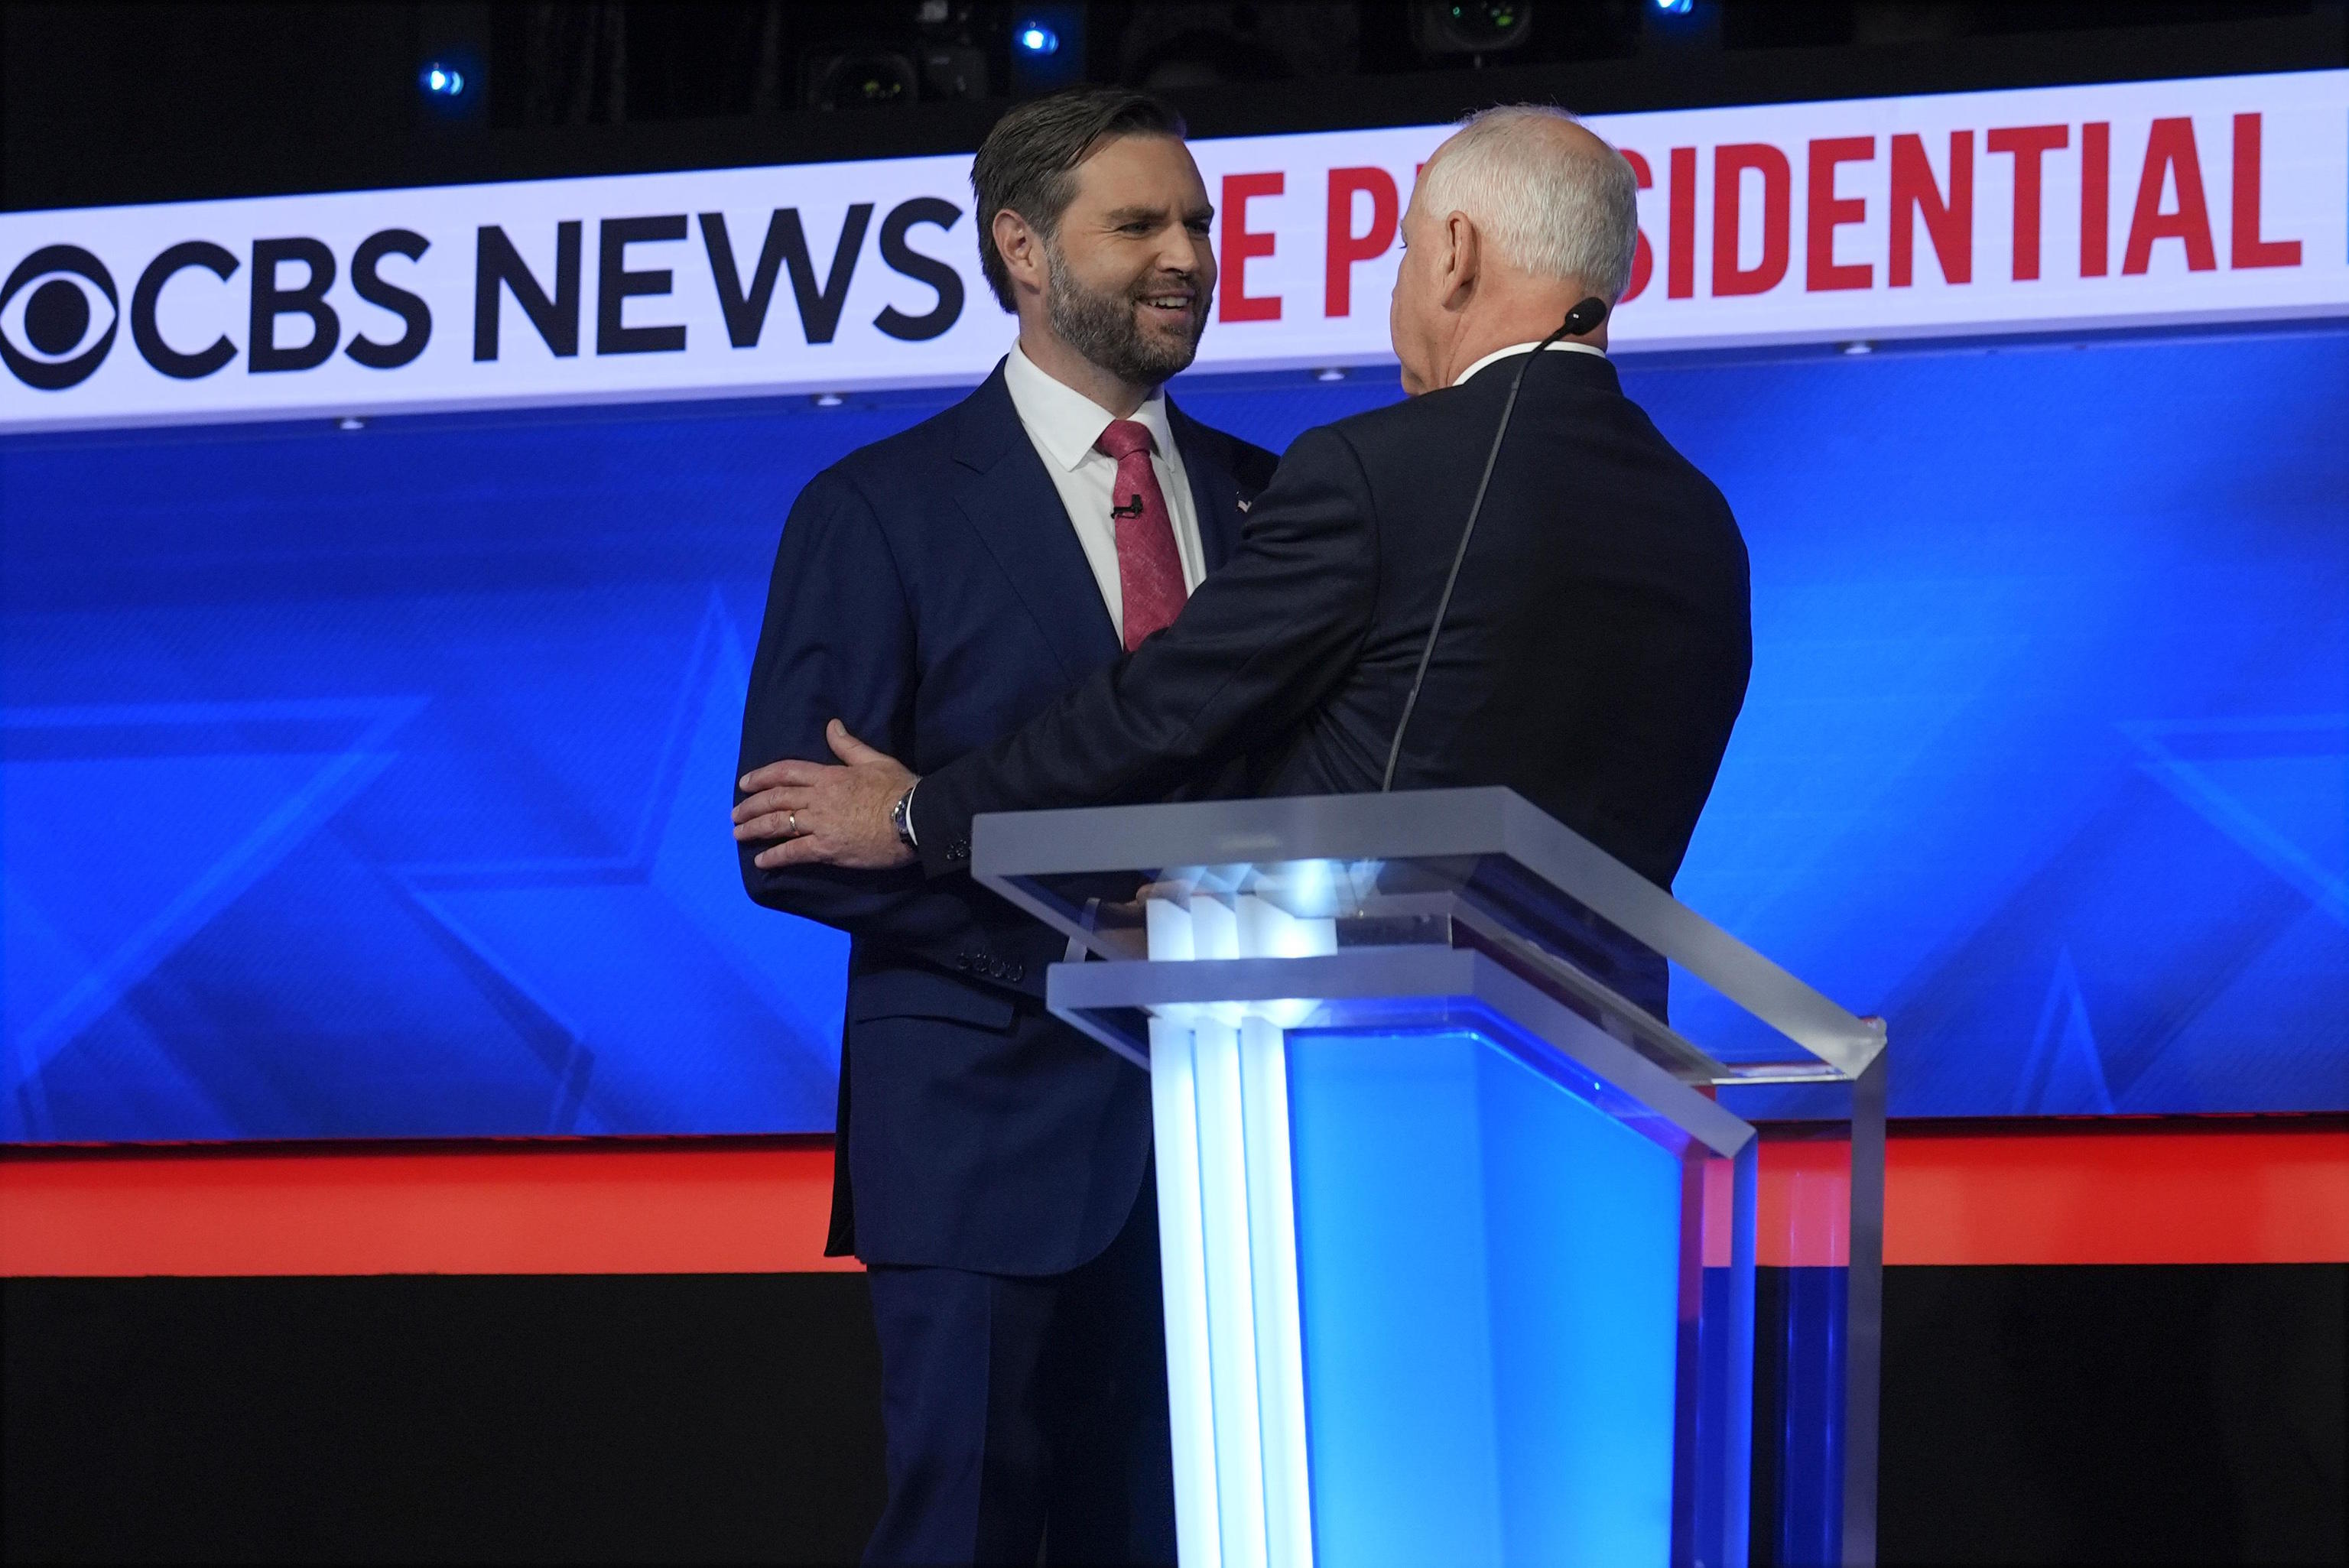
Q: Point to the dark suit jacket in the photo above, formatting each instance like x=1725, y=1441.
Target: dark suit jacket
x=1594, y=658
x=930, y=594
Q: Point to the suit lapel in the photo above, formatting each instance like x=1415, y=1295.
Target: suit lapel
x=1214, y=497
x=1009, y=498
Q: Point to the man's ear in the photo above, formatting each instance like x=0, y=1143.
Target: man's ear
x=1022, y=249
x=1464, y=260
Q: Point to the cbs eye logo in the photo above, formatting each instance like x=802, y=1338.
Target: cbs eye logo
x=58, y=313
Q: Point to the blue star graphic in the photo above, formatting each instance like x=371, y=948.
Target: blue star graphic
x=94, y=902
x=662, y=997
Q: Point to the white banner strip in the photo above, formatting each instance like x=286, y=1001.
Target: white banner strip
x=2042, y=209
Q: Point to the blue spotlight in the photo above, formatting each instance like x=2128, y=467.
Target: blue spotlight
x=441, y=80
x=1675, y=7
x=1037, y=40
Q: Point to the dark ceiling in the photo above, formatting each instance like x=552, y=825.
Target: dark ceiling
x=142, y=101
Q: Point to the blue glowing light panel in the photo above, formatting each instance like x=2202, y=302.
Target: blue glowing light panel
x=373, y=782
x=1504, y=1394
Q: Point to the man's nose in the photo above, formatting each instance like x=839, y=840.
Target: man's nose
x=1179, y=253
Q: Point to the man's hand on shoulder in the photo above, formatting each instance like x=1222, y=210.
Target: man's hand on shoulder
x=823, y=814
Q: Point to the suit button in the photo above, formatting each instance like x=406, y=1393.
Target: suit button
x=962, y=961
x=1018, y=971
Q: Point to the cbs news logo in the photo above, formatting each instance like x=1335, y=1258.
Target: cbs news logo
x=60, y=312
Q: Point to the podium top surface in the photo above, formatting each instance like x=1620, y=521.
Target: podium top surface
x=1478, y=868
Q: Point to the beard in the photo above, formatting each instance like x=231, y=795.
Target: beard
x=1105, y=328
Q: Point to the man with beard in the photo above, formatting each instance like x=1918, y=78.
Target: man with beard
x=1595, y=626
x=935, y=590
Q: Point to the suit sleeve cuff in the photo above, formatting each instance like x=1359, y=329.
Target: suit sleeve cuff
x=940, y=827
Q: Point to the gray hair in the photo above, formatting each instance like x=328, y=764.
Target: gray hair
x=1554, y=212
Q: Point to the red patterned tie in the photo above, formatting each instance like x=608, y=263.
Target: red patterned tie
x=1149, y=571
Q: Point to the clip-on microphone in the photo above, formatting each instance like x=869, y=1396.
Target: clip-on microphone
x=1131, y=509
x=1583, y=318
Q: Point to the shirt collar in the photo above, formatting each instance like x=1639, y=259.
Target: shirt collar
x=1500, y=354
x=1063, y=422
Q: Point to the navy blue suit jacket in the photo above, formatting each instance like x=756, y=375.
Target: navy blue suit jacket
x=930, y=594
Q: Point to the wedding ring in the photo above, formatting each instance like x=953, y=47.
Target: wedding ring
x=792, y=825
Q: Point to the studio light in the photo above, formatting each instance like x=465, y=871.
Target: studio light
x=1675, y=7
x=440, y=80
x=1440, y=27
x=861, y=79
x=1046, y=47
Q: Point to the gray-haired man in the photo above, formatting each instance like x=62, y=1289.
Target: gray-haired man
x=1595, y=651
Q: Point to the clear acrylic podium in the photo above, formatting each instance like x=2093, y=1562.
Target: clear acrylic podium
x=1459, y=1233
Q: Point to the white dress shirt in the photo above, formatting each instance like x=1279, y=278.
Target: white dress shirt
x=1063, y=424
x=1525, y=348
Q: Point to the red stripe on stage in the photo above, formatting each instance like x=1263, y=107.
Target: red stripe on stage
x=1802, y=1213
x=2191, y=1191
x=620, y=1206
x=2255, y=1189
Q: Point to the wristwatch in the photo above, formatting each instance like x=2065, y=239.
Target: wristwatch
x=901, y=816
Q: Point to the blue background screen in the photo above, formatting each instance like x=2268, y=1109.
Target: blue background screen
x=364, y=783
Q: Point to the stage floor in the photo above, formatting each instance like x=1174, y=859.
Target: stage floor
x=2115, y=1341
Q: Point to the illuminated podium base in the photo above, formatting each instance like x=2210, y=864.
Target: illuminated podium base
x=1459, y=1267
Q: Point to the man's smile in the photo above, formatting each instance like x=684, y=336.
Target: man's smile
x=1169, y=307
